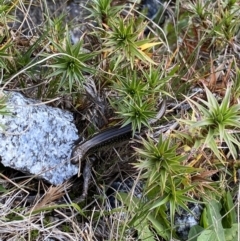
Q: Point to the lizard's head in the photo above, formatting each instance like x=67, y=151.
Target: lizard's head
x=76, y=155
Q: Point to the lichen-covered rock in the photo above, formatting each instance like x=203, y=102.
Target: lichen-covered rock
x=37, y=139
x=185, y=220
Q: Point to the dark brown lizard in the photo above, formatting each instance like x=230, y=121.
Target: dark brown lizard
x=108, y=137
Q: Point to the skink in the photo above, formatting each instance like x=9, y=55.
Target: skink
x=107, y=137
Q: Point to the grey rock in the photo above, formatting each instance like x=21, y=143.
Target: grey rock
x=185, y=220
x=37, y=139
x=152, y=7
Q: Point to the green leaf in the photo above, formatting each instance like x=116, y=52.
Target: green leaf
x=229, y=139
x=172, y=208
x=231, y=234
x=163, y=178
x=212, y=102
x=194, y=232
x=163, y=200
x=144, y=232
x=232, y=122
x=214, y=218
x=78, y=209
x=221, y=132
x=226, y=101
x=204, y=218
x=209, y=235
x=228, y=211
x=161, y=230
x=210, y=142
x=205, y=122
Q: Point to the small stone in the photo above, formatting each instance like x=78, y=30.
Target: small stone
x=37, y=139
x=185, y=220
x=152, y=7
